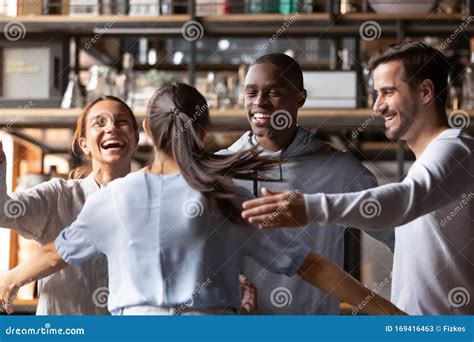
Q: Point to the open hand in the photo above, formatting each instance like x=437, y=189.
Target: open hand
x=276, y=209
x=249, y=294
x=8, y=293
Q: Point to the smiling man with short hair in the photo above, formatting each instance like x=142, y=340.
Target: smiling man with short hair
x=274, y=92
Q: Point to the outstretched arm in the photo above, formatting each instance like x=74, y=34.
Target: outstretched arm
x=32, y=213
x=441, y=175
x=43, y=262
x=322, y=273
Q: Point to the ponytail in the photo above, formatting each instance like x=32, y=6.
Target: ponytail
x=178, y=114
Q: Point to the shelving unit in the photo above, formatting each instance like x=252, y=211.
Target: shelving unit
x=307, y=24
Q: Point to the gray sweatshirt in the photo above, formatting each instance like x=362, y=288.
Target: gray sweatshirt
x=433, y=210
x=312, y=166
x=40, y=213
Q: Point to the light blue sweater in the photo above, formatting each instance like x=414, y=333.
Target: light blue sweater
x=166, y=247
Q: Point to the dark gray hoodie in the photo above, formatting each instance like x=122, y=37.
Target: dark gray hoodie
x=312, y=166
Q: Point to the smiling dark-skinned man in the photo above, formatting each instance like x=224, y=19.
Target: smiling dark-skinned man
x=274, y=93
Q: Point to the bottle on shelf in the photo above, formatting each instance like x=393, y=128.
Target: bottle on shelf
x=221, y=93
x=114, y=7
x=468, y=82
x=73, y=96
x=125, y=81
x=454, y=93
x=231, y=91
x=142, y=51
x=211, y=94
x=239, y=89
x=96, y=86
x=345, y=59
x=368, y=86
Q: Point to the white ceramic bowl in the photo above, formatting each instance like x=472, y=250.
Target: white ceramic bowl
x=402, y=6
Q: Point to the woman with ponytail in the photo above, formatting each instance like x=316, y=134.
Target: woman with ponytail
x=173, y=234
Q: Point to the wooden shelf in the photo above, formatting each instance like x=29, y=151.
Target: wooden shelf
x=100, y=19
x=318, y=25
x=357, y=16
x=169, y=25
x=262, y=18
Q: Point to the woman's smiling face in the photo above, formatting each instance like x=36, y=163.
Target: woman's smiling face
x=109, y=134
